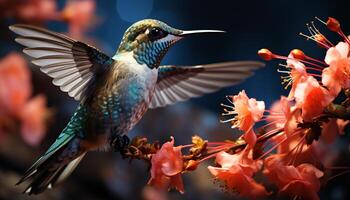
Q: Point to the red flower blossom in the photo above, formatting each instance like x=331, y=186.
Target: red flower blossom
x=15, y=86
x=33, y=117
x=247, y=112
x=337, y=75
x=237, y=171
x=297, y=74
x=80, y=16
x=15, y=90
x=37, y=11
x=283, y=115
x=293, y=180
x=167, y=165
x=312, y=98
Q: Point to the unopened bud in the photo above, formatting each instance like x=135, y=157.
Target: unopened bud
x=298, y=54
x=265, y=54
x=333, y=24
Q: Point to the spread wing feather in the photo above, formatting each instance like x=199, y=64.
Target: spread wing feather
x=73, y=65
x=179, y=83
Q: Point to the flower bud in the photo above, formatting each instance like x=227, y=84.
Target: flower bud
x=265, y=54
x=333, y=24
x=298, y=54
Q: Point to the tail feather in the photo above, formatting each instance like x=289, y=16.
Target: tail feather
x=54, y=167
x=39, y=165
x=56, y=148
x=41, y=181
x=49, y=178
x=68, y=169
x=61, y=158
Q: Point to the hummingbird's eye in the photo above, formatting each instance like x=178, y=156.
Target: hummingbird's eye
x=155, y=33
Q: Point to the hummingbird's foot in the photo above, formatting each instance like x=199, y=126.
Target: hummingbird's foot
x=137, y=148
x=120, y=143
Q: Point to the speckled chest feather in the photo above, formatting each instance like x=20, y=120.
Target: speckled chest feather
x=124, y=97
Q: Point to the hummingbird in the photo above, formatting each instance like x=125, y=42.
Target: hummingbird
x=114, y=92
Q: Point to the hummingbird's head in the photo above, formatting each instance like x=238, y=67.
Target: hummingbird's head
x=150, y=39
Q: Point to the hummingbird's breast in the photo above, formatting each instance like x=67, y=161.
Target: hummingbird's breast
x=124, y=98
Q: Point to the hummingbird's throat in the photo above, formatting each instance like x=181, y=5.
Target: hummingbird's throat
x=152, y=53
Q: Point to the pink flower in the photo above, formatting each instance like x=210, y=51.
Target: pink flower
x=237, y=170
x=15, y=90
x=15, y=86
x=33, y=117
x=246, y=113
x=37, y=11
x=297, y=74
x=302, y=181
x=80, y=16
x=167, y=165
x=283, y=115
x=312, y=98
x=337, y=75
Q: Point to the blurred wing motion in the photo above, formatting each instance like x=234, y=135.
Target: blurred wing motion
x=179, y=83
x=73, y=65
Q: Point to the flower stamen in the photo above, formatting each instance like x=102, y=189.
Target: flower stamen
x=316, y=38
x=318, y=32
x=318, y=19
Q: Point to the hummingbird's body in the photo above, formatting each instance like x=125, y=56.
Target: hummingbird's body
x=121, y=100
x=114, y=93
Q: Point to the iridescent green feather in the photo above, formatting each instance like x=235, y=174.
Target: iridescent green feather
x=74, y=128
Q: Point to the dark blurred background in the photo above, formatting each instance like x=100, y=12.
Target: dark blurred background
x=250, y=25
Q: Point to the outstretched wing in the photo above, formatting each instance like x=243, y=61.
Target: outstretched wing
x=73, y=65
x=179, y=83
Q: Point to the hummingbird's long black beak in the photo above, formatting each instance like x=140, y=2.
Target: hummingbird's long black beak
x=197, y=32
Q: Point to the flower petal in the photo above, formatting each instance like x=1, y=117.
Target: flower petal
x=33, y=118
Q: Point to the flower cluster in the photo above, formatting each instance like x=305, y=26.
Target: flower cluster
x=78, y=14
x=287, y=150
x=16, y=106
